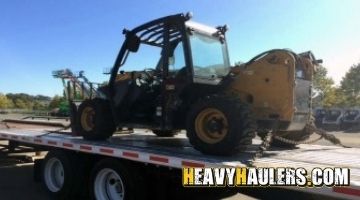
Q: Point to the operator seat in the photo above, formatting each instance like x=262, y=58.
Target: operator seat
x=126, y=93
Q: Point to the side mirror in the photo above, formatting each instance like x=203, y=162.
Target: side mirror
x=132, y=42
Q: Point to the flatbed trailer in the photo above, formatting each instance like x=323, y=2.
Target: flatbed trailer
x=171, y=154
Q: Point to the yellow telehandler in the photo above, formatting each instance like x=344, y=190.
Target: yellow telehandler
x=193, y=87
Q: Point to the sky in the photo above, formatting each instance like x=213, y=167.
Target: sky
x=37, y=37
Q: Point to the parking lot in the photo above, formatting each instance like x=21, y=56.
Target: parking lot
x=17, y=181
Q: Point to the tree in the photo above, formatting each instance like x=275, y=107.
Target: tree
x=334, y=97
x=42, y=98
x=24, y=101
x=38, y=106
x=350, y=86
x=64, y=108
x=10, y=104
x=4, y=102
x=21, y=100
x=55, y=102
x=324, y=86
x=21, y=104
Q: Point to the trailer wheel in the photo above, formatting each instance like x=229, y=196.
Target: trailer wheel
x=112, y=180
x=61, y=175
x=165, y=133
x=220, y=125
x=94, y=120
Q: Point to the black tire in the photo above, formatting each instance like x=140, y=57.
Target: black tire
x=101, y=126
x=240, y=130
x=132, y=181
x=73, y=112
x=71, y=172
x=165, y=133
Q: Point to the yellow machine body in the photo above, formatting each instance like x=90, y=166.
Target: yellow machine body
x=278, y=86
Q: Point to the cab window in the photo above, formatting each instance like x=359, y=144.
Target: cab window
x=177, y=60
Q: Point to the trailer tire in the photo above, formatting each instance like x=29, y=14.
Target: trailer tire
x=107, y=173
x=94, y=120
x=233, y=123
x=61, y=175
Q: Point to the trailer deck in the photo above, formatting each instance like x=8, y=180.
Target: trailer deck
x=176, y=152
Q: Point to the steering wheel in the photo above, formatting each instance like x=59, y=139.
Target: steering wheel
x=146, y=77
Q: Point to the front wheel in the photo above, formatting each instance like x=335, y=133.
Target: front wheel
x=94, y=120
x=220, y=125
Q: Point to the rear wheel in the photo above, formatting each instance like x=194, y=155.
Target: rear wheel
x=113, y=180
x=61, y=175
x=220, y=125
x=165, y=133
x=94, y=120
